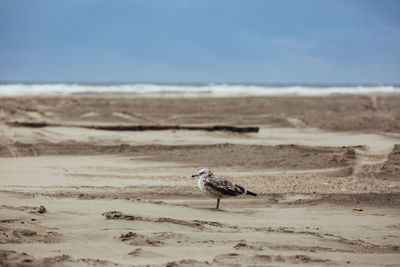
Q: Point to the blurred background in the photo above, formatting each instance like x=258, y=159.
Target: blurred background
x=179, y=41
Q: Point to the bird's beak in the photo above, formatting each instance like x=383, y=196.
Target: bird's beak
x=194, y=175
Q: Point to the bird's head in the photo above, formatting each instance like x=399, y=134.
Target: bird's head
x=202, y=172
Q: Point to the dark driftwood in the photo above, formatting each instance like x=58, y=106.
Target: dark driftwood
x=139, y=127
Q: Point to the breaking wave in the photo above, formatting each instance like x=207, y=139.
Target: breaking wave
x=209, y=90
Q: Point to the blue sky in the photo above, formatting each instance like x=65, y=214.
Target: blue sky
x=282, y=41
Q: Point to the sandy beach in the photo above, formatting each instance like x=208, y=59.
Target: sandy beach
x=326, y=170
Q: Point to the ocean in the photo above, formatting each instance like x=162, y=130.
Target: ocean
x=185, y=90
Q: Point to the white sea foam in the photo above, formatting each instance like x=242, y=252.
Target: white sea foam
x=211, y=90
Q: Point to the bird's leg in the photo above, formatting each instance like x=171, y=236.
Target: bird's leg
x=218, y=199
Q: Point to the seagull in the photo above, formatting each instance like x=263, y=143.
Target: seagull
x=218, y=187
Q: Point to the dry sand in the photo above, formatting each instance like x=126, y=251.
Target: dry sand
x=327, y=170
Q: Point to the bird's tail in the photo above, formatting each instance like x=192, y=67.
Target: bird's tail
x=250, y=193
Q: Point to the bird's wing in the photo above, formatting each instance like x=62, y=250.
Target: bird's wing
x=224, y=186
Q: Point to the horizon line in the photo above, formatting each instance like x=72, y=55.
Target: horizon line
x=196, y=83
